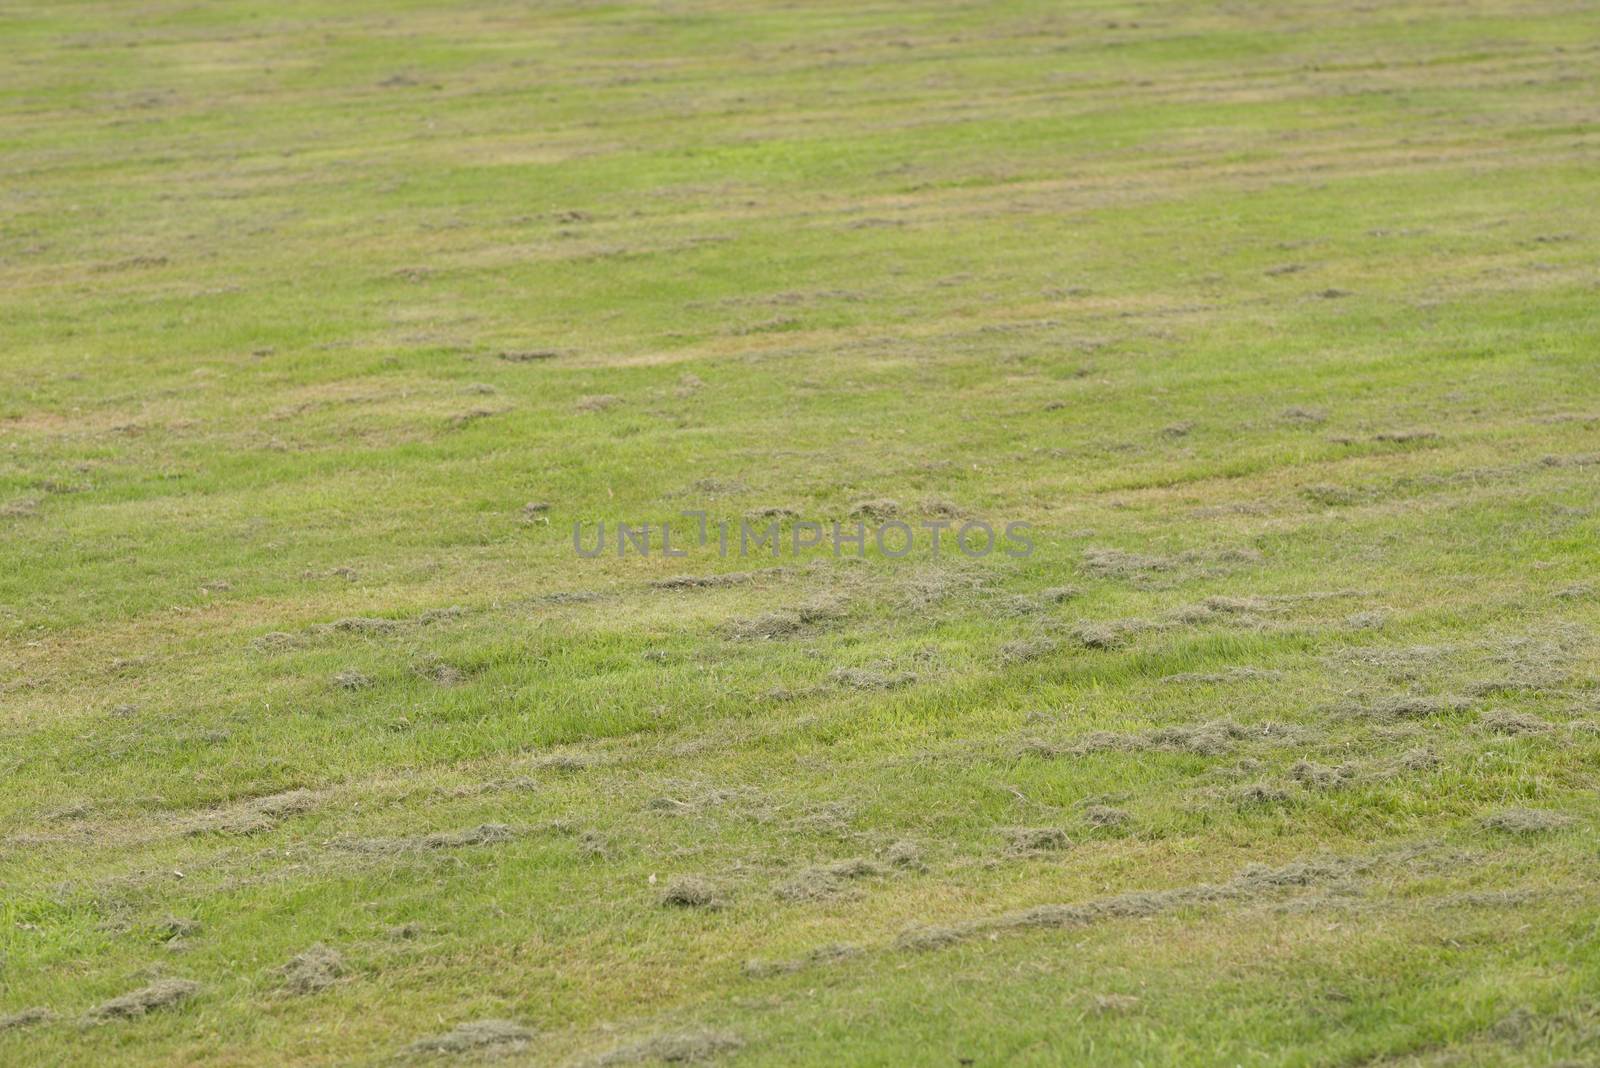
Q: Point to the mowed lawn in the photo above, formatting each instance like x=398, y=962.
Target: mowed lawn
x=322, y=324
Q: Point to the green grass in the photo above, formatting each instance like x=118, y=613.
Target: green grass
x=1295, y=304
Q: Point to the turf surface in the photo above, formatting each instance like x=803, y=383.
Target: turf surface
x=324, y=323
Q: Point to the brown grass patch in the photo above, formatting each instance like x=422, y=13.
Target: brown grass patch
x=312, y=971
x=1526, y=821
x=158, y=995
x=476, y=1036
x=691, y=892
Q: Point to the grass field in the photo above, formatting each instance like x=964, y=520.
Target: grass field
x=324, y=323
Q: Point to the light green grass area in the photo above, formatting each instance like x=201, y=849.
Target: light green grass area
x=1279, y=324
